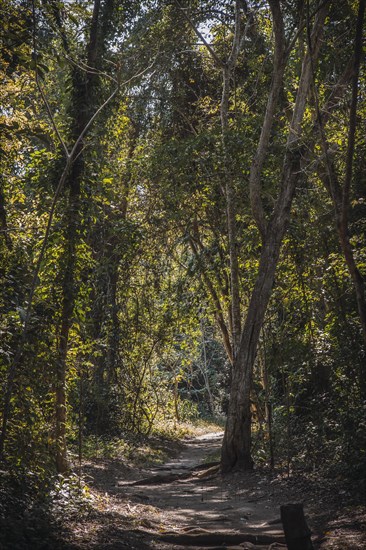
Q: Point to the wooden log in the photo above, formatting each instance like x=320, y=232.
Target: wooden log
x=297, y=532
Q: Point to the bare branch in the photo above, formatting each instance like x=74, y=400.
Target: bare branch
x=87, y=69
x=87, y=126
x=306, y=75
x=137, y=75
x=45, y=101
x=214, y=56
x=303, y=25
x=239, y=36
x=217, y=303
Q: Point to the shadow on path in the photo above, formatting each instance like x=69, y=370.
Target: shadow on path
x=199, y=507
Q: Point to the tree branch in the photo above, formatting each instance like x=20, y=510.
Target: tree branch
x=216, y=300
x=353, y=115
x=279, y=63
x=214, y=56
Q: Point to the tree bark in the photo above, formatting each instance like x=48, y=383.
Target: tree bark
x=279, y=65
x=82, y=89
x=340, y=195
x=3, y=221
x=357, y=278
x=297, y=532
x=236, y=448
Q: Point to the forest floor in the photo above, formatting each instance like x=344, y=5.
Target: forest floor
x=167, y=494
x=187, y=503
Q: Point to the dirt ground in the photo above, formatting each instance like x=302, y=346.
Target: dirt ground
x=187, y=503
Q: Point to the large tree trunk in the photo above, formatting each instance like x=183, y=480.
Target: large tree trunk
x=82, y=91
x=68, y=293
x=236, y=448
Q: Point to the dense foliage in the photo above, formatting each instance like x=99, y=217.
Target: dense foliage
x=120, y=269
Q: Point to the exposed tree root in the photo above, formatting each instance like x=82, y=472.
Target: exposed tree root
x=217, y=539
x=159, y=479
x=207, y=473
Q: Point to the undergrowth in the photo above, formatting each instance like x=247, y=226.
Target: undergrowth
x=35, y=505
x=140, y=450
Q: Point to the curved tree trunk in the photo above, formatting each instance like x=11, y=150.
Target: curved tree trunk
x=236, y=448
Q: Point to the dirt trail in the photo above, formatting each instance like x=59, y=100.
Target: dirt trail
x=187, y=503
x=201, y=507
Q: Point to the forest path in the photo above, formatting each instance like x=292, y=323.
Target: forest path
x=187, y=503
x=197, y=507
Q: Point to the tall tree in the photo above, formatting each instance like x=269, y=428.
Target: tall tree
x=242, y=351
x=83, y=104
x=236, y=449
x=339, y=192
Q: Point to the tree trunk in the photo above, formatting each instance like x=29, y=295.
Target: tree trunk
x=68, y=293
x=3, y=222
x=82, y=90
x=297, y=533
x=268, y=408
x=235, y=313
x=236, y=448
x=228, y=69
x=204, y=371
x=341, y=195
x=279, y=66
